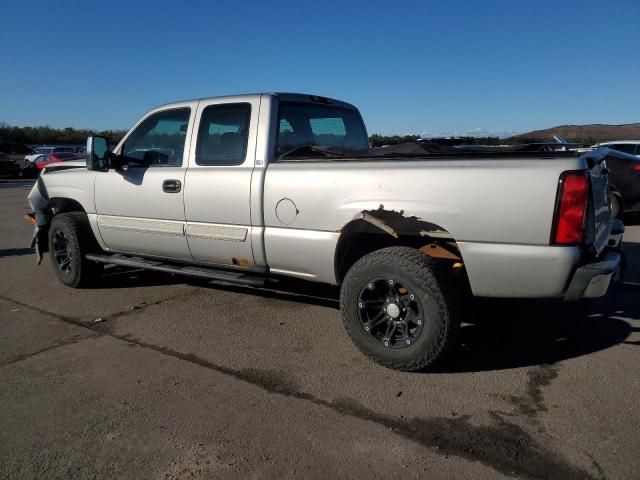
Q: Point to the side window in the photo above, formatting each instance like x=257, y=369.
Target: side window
x=159, y=140
x=223, y=134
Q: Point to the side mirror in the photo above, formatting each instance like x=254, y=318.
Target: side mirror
x=97, y=154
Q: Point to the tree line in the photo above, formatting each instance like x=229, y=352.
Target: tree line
x=14, y=139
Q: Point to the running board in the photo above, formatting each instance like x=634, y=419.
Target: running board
x=188, y=270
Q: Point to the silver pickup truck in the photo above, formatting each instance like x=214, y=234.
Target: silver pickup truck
x=250, y=189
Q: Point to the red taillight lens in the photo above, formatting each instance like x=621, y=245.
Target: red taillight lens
x=636, y=167
x=571, y=208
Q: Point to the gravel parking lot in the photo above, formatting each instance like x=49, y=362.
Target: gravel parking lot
x=155, y=376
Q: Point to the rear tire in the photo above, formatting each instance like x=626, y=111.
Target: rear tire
x=70, y=239
x=615, y=205
x=400, y=308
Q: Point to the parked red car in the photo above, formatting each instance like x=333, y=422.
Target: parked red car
x=32, y=169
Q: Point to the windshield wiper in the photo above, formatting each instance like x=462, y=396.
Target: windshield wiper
x=311, y=152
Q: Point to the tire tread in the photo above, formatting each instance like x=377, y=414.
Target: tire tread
x=82, y=241
x=432, y=275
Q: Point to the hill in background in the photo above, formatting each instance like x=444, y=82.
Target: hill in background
x=585, y=134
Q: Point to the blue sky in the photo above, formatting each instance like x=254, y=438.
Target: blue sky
x=411, y=67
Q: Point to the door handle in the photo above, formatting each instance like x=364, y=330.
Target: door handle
x=171, y=186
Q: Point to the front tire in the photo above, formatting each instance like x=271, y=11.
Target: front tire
x=70, y=239
x=400, y=309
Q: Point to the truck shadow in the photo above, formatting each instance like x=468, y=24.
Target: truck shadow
x=631, y=218
x=505, y=334
x=500, y=333
x=15, y=252
x=523, y=333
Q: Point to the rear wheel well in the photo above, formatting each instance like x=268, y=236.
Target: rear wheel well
x=363, y=236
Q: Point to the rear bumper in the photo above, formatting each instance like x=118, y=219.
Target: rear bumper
x=594, y=279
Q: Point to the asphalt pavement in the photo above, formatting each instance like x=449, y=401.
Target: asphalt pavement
x=158, y=376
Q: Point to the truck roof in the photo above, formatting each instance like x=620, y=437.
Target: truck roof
x=284, y=96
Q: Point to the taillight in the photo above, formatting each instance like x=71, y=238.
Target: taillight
x=636, y=167
x=571, y=208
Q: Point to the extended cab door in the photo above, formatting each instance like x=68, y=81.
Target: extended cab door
x=140, y=206
x=218, y=183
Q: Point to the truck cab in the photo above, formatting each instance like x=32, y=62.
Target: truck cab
x=186, y=182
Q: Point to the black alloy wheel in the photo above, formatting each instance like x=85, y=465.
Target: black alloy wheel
x=61, y=251
x=390, y=313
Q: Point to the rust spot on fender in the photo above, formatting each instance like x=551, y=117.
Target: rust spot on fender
x=241, y=262
x=438, y=251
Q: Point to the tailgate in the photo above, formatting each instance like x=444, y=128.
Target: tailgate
x=599, y=217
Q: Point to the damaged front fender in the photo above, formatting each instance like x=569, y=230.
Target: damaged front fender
x=40, y=242
x=40, y=217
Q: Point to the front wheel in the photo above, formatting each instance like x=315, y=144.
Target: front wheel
x=399, y=308
x=70, y=238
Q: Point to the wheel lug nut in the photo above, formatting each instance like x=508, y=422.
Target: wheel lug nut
x=390, y=282
x=419, y=322
x=370, y=286
x=360, y=304
x=366, y=327
x=386, y=344
x=411, y=296
x=408, y=341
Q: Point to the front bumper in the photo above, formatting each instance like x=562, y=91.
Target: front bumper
x=593, y=279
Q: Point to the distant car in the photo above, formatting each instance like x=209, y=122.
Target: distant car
x=34, y=167
x=46, y=150
x=624, y=177
x=8, y=166
x=632, y=147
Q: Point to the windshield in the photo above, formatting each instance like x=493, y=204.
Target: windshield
x=310, y=125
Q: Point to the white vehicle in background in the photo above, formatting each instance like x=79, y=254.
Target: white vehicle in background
x=632, y=147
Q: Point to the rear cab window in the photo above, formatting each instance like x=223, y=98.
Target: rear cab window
x=304, y=124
